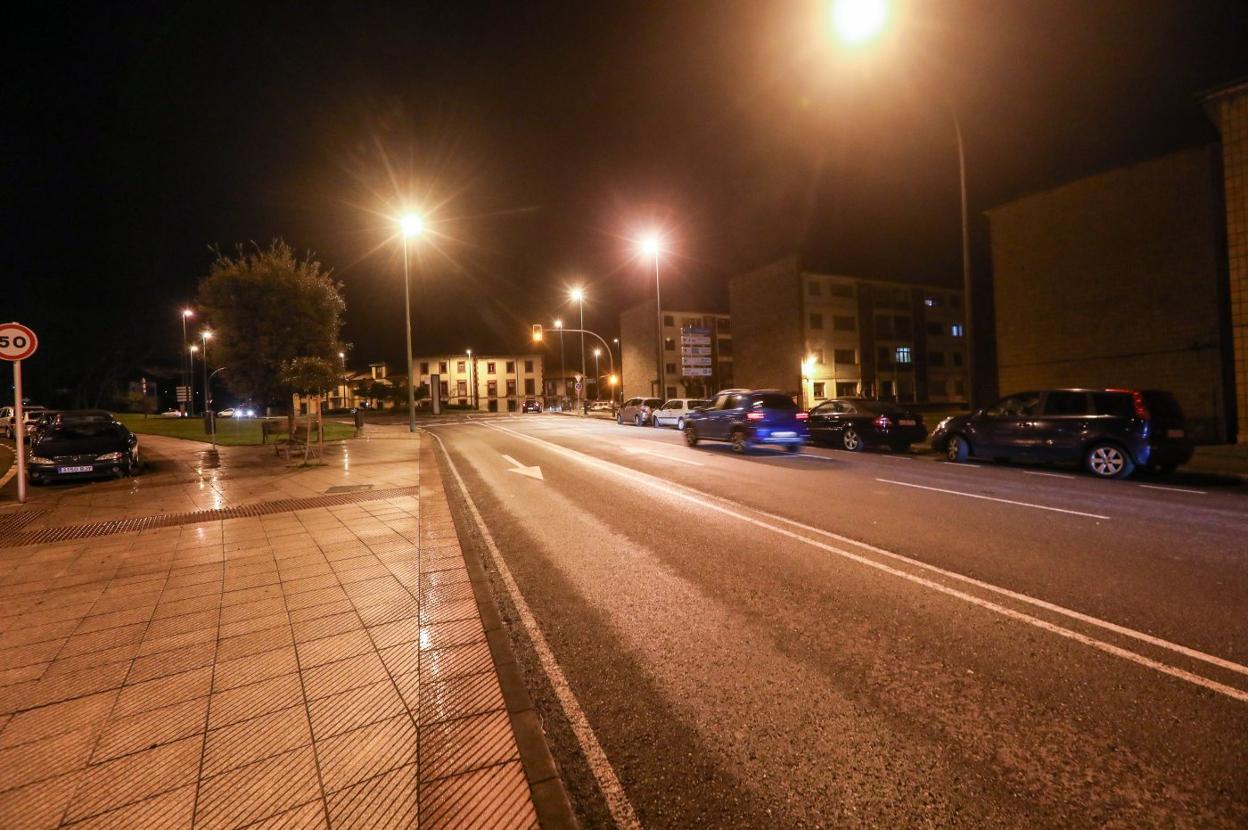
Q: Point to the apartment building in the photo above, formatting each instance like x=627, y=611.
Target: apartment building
x=698, y=356
x=819, y=336
x=490, y=383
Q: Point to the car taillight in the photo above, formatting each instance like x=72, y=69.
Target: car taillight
x=883, y=422
x=1141, y=409
x=754, y=416
x=802, y=416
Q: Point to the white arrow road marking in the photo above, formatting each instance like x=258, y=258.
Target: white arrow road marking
x=517, y=467
x=645, y=451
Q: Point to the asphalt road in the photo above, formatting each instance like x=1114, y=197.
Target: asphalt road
x=835, y=639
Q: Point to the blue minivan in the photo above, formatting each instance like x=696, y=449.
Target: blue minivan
x=747, y=418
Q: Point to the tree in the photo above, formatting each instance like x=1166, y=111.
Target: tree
x=378, y=391
x=268, y=307
x=309, y=376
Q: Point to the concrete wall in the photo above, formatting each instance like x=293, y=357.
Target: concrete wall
x=767, y=331
x=638, y=340
x=1115, y=280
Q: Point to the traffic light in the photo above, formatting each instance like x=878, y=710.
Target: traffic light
x=537, y=332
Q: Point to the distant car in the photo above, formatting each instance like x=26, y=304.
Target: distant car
x=30, y=416
x=602, y=406
x=636, y=411
x=1111, y=432
x=857, y=423
x=229, y=413
x=83, y=449
x=673, y=412
x=747, y=418
x=531, y=405
x=172, y=413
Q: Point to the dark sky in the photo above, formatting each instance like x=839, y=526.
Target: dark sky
x=542, y=137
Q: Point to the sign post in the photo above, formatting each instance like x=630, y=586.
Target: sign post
x=16, y=344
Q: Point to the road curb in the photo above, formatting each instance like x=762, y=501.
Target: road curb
x=550, y=796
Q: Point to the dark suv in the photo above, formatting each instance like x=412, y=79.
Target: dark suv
x=1110, y=432
x=748, y=417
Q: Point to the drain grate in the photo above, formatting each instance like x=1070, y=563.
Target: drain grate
x=348, y=488
x=17, y=520
x=10, y=539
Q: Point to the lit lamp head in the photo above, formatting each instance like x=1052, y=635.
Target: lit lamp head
x=613, y=380
x=597, y=352
x=186, y=312
x=858, y=21
x=205, y=335
x=577, y=294
x=411, y=225
x=194, y=349
x=808, y=365
x=651, y=245
x=558, y=324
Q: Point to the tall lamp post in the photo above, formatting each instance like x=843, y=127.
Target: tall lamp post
x=856, y=23
x=651, y=246
x=411, y=226
x=597, y=352
x=191, y=360
x=619, y=352
x=578, y=294
x=188, y=366
x=472, y=380
x=204, y=337
x=563, y=372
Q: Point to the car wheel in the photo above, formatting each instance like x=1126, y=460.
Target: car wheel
x=654, y=422
x=740, y=441
x=619, y=419
x=680, y=424
x=956, y=449
x=851, y=440
x=637, y=420
x=791, y=448
x=691, y=435
x=1108, y=461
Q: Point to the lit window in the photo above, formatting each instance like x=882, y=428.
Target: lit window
x=956, y=329
x=819, y=390
x=903, y=354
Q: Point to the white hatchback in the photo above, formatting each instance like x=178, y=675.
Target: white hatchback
x=673, y=412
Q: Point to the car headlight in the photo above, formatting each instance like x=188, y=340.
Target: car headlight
x=39, y=459
x=109, y=456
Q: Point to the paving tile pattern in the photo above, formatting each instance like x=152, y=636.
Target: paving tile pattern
x=318, y=662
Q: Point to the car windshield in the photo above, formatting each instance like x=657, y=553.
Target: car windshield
x=773, y=401
x=84, y=430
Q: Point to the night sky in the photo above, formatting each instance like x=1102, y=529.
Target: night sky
x=541, y=138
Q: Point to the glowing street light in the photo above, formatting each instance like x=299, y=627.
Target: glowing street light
x=411, y=225
x=578, y=296
x=204, y=337
x=597, y=354
x=563, y=371
x=651, y=245
x=859, y=21
x=188, y=368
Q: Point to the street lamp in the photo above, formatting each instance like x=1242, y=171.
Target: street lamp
x=190, y=396
x=808, y=371
x=204, y=337
x=411, y=226
x=857, y=22
x=652, y=245
x=472, y=380
x=563, y=372
x=188, y=371
x=578, y=296
x=597, y=353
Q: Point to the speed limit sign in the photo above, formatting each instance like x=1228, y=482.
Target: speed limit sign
x=17, y=342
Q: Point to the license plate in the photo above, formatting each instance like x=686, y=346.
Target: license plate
x=64, y=470
x=1174, y=433
x=906, y=422
x=784, y=434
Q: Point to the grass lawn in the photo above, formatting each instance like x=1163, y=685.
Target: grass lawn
x=230, y=432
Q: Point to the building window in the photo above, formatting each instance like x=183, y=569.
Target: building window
x=931, y=301
x=903, y=326
x=528, y=386
x=424, y=367
x=845, y=356
x=671, y=370
x=511, y=387
x=818, y=354
x=511, y=406
x=490, y=367
x=844, y=323
x=814, y=289
x=884, y=356
x=491, y=388
x=528, y=366
x=725, y=346
x=669, y=320
x=442, y=367
x=511, y=367
x=444, y=390
x=846, y=388
x=818, y=389
x=957, y=358
x=669, y=344
x=671, y=391
x=841, y=289
x=816, y=321
x=956, y=330
x=461, y=367
x=935, y=358
x=463, y=388
x=936, y=329
x=883, y=326
x=959, y=386
x=724, y=324
x=903, y=354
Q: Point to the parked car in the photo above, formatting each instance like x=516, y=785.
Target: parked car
x=172, y=413
x=673, y=412
x=748, y=417
x=857, y=423
x=68, y=415
x=1111, y=432
x=83, y=449
x=602, y=406
x=637, y=411
x=229, y=413
x=30, y=416
x=531, y=405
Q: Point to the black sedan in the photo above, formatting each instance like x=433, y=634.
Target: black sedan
x=857, y=423
x=83, y=449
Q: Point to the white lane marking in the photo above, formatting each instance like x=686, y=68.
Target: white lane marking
x=1175, y=489
x=708, y=501
x=994, y=498
x=524, y=470
x=898, y=457
x=608, y=782
x=644, y=451
x=1049, y=475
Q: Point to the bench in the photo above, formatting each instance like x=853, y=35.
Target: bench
x=298, y=441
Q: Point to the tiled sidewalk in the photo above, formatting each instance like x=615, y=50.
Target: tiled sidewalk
x=321, y=668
